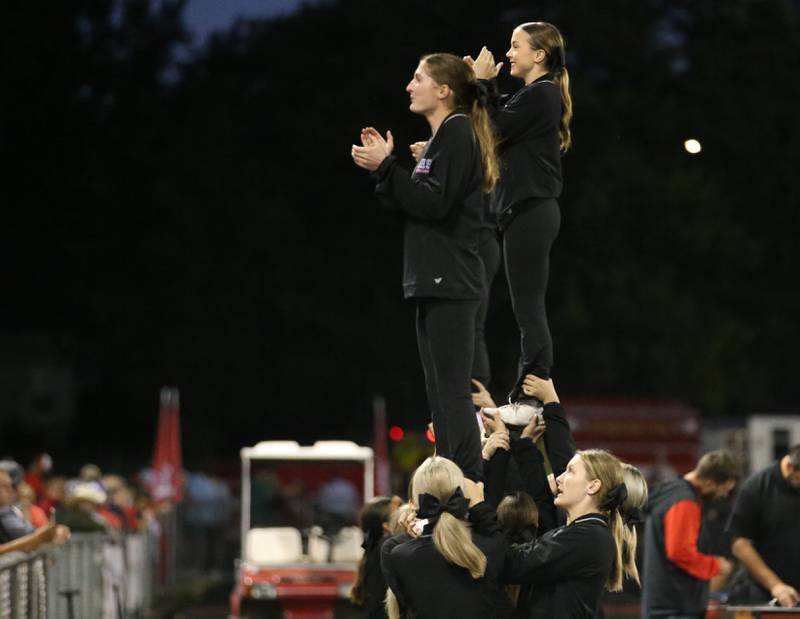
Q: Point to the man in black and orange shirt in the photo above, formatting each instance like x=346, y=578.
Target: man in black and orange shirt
x=676, y=573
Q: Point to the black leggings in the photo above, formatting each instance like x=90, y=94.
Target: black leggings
x=445, y=336
x=489, y=250
x=526, y=243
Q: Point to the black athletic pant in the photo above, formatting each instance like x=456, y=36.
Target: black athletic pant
x=526, y=242
x=445, y=336
x=489, y=250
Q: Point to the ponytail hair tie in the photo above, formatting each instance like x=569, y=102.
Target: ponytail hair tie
x=478, y=93
x=615, y=498
x=558, y=59
x=633, y=516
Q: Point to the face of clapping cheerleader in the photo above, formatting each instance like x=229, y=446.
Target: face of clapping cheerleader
x=522, y=59
x=573, y=486
x=425, y=94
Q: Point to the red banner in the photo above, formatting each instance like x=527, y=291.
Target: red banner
x=166, y=484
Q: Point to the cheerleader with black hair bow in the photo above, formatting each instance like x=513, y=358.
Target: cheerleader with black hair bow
x=565, y=571
x=446, y=570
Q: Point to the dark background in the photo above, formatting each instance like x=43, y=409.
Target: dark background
x=187, y=213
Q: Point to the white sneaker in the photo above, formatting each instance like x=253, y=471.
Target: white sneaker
x=518, y=413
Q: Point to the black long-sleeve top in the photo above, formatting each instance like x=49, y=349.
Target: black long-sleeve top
x=558, y=438
x=374, y=584
x=567, y=567
x=531, y=468
x=527, y=125
x=428, y=587
x=442, y=200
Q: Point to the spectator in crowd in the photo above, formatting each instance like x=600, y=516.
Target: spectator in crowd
x=38, y=469
x=119, y=502
x=17, y=533
x=123, y=503
x=32, y=512
x=90, y=472
x=54, y=493
x=337, y=505
x=369, y=589
x=676, y=572
x=265, y=498
x=206, y=514
x=14, y=470
x=82, y=510
x=766, y=529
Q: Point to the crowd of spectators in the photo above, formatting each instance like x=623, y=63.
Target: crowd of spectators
x=39, y=506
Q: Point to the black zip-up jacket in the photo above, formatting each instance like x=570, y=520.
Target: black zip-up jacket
x=428, y=587
x=567, y=568
x=527, y=126
x=443, y=203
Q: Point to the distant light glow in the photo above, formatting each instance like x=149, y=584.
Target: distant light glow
x=396, y=433
x=692, y=146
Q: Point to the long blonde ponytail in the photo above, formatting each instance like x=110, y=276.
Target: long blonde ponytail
x=562, y=79
x=482, y=126
x=453, y=540
x=392, y=606
x=636, y=486
x=440, y=478
x=603, y=465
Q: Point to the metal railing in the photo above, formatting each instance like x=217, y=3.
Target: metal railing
x=92, y=576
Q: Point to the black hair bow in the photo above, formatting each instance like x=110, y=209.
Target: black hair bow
x=615, y=497
x=633, y=516
x=558, y=59
x=431, y=507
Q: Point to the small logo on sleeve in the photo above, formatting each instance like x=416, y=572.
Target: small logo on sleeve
x=437, y=280
x=423, y=167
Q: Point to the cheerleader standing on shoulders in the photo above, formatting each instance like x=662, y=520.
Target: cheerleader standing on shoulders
x=442, y=201
x=533, y=131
